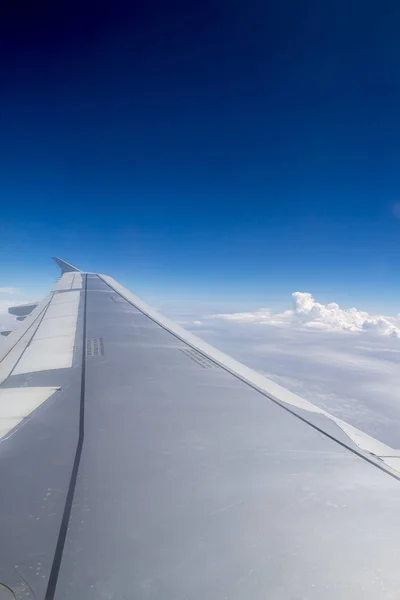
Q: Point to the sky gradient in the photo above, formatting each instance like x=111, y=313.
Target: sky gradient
x=214, y=151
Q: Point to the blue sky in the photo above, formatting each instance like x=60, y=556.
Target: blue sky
x=216, y=151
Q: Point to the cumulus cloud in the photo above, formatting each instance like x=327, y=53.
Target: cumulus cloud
x=308, y=313
x=8, y=290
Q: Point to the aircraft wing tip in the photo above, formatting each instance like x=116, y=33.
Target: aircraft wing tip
x=64, y=266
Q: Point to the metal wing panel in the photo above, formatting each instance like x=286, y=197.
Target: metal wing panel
x=194, y=485
x=14, y=345
x=39, y=424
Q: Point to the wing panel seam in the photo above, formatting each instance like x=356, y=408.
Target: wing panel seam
x=25, y=332
x=59, y=550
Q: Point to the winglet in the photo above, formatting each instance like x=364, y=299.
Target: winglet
x=64, y=266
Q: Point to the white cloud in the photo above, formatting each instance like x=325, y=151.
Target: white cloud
x=12, y=297
x=5, y=304
x=7, y=321
x=308, y=313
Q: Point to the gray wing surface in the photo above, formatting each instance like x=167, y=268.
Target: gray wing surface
x=138, y=462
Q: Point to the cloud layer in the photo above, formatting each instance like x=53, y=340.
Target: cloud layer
x=310, y=314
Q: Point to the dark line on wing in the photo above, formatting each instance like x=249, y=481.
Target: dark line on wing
x=55, y=567
x=25, y=332
x=257, y=389
x=43, y=313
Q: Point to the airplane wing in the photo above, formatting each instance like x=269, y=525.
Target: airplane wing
x=138, y=462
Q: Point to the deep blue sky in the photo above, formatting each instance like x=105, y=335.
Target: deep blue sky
x=224, y=149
